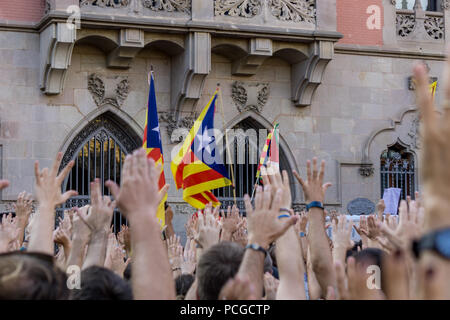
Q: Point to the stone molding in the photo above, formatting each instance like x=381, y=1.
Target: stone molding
x=111, y=91
x=56, y=46
x=250, y=96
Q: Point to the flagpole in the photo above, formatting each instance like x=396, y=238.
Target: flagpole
x=226, y=144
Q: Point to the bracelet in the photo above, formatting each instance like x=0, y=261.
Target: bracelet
x=284, y=216
x=285, y=210
x=314, y=204
x=175, y=269
x=256, y=247
x=302, y=234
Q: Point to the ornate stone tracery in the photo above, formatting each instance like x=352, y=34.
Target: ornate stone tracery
x=435, y=27
x=238, y=8
x=173, y=124
x=284, y=10
x=168, y=5
x=405, y=24
x=105, y=3
x=294, y=10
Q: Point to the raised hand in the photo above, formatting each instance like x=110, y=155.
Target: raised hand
x=9, y=231
x=123, y=236
x=138, y=196
x=314, y=188
x=189, y=261
x=239, y=288
x=263, y=224
x=270, y=286
x=208, y=230
x=48, y=183
x=230, y=223
x=341, y=234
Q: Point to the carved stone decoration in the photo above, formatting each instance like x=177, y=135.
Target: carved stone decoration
x=435, y=27
x=56, y=46
x=307, y=75
x=445, y=4
x=238, y=8
x=174, y=124
x=294, y=10
x=48, y=7
x=405, y=24
x=414, y=133
x=360, y=206
x=193, y=66
x=105, y=3
x=168, y=5
x=366, y=170
x=114, y=92
x=250, y=96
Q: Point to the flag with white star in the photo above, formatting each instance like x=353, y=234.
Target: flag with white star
x=152, y=143
x=198, y=167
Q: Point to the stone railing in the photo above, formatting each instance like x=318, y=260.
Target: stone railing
x=286, y=13
x=419, y=25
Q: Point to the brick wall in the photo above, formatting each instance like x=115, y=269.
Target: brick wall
x=22, y=10
x=353, y=21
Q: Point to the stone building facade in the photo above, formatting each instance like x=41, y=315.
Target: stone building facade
x=334, y=73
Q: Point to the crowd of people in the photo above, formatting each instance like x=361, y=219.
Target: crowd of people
x=271, y=253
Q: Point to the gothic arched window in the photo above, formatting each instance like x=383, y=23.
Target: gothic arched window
x=99, y=151
x=247, y=140
x=397, y=170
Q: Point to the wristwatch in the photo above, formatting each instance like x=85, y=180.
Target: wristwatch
x=314, y=204
x=437, y=241
x=256, y=247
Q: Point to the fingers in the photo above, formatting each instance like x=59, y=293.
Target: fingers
x=113, y=188
x=299, y=179
x=423, y=95
x=56, y=164
x=67, y=195
x=37, y=173
x=248, y=204
x=64, y=172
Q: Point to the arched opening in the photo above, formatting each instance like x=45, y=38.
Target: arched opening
x=397, y=169
x=99, y=151
x=247, y=139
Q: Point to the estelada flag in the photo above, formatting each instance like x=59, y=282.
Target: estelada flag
x=197, y=167
x=270, y=151
x=433, y=88
x=152, y=143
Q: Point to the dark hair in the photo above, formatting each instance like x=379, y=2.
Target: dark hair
x=182, y=285
x=31, y=276
x=98, y=283
x=216, y=266
x=369, y=256
x=127, y=272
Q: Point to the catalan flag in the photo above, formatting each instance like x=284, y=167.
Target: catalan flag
x=270, y=151
x=197, y=167
x=152, y=143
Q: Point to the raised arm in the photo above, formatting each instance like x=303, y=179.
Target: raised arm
x=321, y=258
x=138, y=198
x=48, y=195
x=264, y=227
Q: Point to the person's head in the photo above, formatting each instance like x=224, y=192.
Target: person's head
x=98, y=283
x=368, y=257
x=182, y=284
x=216, y=266
x=31, y=276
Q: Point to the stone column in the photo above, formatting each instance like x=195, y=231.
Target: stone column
x=326, y=15
x=389, y=24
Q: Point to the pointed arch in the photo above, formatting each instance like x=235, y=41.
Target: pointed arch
x=247, y=140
